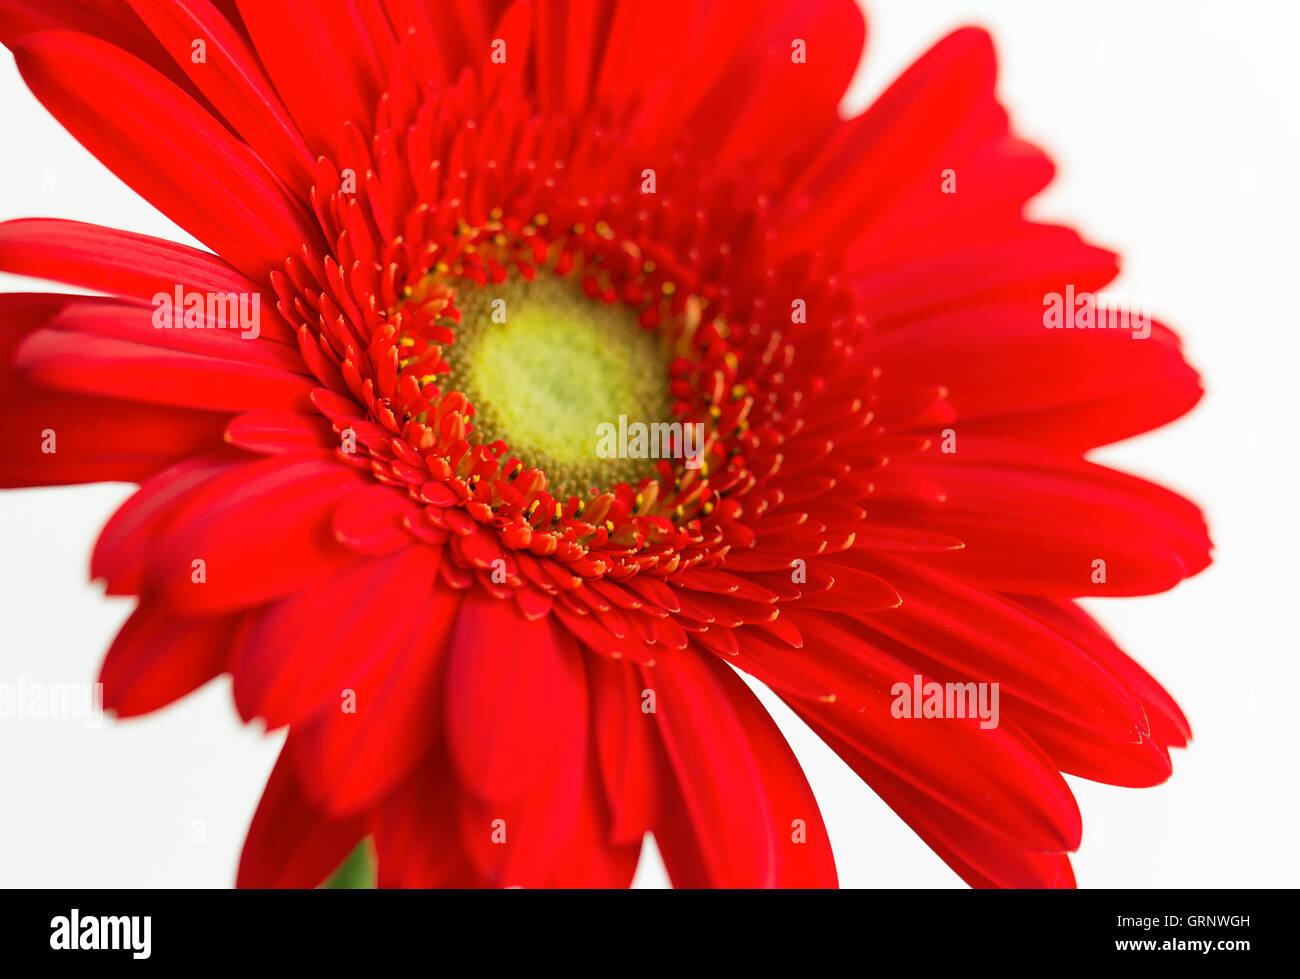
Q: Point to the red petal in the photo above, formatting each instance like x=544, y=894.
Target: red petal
x=349, y=760
x=262, y=531
x=84, y=364
x=290, y=843
x=416, y=831
x=371, y=520
x=515, y=697
x=119, y=262
x=518, y=836
x=122, y=552
x=873, y=158
x=129, y=116
x=116, y=319
x=971, y=634
x=720, y=804
x=278, y=432
x=996, y=776
x=1168, y=724
x=233, y=82
x=310, y=651
x=1008, y=377
x=803, y=846
x=625, y=747
x=980, y=857
x=327, y=62
x=158, y=658
x=1035, y=522
x=593, y=858
x=766, y=103
x=94, y=439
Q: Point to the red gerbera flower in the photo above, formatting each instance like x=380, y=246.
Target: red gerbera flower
x=454, y=242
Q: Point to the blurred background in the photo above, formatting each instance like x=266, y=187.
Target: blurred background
x=1175, y=131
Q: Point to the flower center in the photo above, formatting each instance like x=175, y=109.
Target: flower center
x=546, y=367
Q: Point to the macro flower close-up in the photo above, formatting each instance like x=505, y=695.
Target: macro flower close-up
x=547, y=367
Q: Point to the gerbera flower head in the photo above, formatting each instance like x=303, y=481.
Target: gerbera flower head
x=405, y=506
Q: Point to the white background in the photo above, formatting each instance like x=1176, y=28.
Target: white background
x=1174, y=127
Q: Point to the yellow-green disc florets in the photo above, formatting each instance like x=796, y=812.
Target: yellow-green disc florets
x=545, y=367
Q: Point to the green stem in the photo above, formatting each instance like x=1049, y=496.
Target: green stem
x=357, y=872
